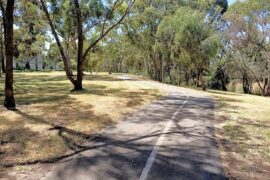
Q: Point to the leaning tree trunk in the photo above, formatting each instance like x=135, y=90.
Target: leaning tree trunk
x=9, y=95
x=64, y=55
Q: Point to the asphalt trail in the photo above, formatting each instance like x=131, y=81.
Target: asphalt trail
x=172, y=138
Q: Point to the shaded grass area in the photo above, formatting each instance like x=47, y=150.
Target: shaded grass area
x=51, y=120
x=243, y=126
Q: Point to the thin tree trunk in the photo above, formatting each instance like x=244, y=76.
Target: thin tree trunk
x=64, y=55
x=9, y=95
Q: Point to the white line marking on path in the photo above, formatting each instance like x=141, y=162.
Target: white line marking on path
x=153, y=154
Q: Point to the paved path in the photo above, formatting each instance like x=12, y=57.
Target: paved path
x=173, y=138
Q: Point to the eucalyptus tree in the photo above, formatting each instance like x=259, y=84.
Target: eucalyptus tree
x=7, y=9
x=248, y=36
x=188, y=41
x=91, y=22
x=143, y=24
x=30, y=32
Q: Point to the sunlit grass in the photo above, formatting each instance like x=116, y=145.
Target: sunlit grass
x=51, y=120
x=243, y=126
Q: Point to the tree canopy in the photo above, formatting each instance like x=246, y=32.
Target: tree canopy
x=206, y=43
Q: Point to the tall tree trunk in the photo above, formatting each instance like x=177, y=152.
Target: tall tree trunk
x=78, y=84
x=9, y=95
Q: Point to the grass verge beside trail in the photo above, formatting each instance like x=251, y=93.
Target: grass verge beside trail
x=51, y=121
x=243, y=130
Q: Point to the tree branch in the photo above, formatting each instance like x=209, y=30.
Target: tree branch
x=108, y=30
x=61, y=49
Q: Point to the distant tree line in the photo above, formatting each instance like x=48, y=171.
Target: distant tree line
x=198, y=43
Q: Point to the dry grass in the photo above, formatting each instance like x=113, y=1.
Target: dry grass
x=51, y=121
x=243, y=126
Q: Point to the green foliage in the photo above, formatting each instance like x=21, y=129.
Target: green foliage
x=30, y=32
x=187, y=40
x=173, y=41
x=248, y=47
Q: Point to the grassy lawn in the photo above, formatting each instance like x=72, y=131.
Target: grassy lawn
x=243, y=128
x=51, y=121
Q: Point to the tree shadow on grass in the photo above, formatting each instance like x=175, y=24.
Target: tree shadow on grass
x=110, y=78
x=61, y=78
x=58, y=113
x=22, y=136
x=43, y=89
x=126, y=154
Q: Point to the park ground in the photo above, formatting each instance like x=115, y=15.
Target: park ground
x=52, y=121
